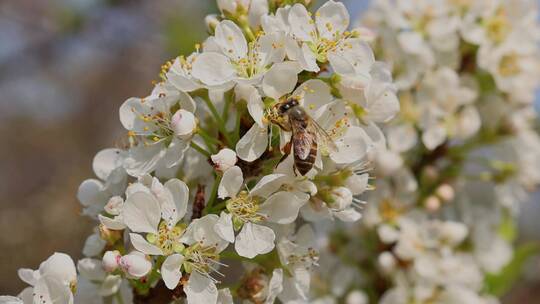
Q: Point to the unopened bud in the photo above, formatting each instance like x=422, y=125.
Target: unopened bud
x=135, y=264
x=445, y=192
x=432, y=203
x=211, y=22
x=224, y=159
x=183, y=123
x=111, y=260
x=386, y=261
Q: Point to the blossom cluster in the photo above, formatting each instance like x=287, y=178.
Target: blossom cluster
x=461, y=156
x=206, y=175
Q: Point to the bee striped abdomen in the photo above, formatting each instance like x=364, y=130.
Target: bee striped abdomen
x=304, y=165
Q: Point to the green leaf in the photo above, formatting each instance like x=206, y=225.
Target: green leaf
x=500, y=283
x=507, y=229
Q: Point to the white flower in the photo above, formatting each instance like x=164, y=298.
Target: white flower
x=95, y=193
x=156, y=211
x=157, y=136
x=245, y=212
x=54, y=281
x=235, y=60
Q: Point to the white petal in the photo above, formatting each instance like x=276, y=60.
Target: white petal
x=231, y=182
x=253, y=240
x=170, y=270
x=10, y=300
x=255, y=107
x=302, y=26
x=51, y=290
x=28, y=276
x=253, y=144
x=275, y=286
x=231, y=40
x=142, y=213
x=203, y=230
x=268, y=184
x=316, y=94
x=60, y=266
x=280, y=79
x=213, y=69
x=434, y=136
x=257, y=9
x=115, y=223
x=224, y=227
x=307, y=59
x=348, y=215
x=110, y=285
x=351, y=147
x=94, y=245
x=91, y=269
x=382, y=102
x=106, y=161
x=174, y=153
x=224, y=296
x=180, y=195
x=130, y=112
x=332, y=18
x=91, y=193
x=143, y=159
x=143, y=246
x=281, y=208
x=200, y=289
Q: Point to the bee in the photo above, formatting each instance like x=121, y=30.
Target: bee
x=290, y=116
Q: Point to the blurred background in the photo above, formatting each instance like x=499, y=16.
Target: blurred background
x=65, y=68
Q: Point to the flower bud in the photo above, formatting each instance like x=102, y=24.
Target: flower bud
x=211, y=22
x=111, y=260
x=386, y=261
x=225, y=159
x=445, y=192
x=432, y=203
x=231, y=6
x=183, y=123
x=114, y=205
x=135, y=264
x=356, y=297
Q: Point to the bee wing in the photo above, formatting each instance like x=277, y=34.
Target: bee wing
x=323, y=136
x=302, y=138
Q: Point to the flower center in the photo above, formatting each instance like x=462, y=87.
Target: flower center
x=167, y=238
x=509, y=65
x=244, y=208
x=203, y=259
x=498, y=26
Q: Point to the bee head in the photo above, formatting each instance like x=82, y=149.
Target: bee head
x=288, y=104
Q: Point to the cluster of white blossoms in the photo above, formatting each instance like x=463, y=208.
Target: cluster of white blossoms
x=240, y=152
x=461, y=156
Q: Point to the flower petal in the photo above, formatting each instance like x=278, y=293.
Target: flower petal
x=332, y=18
x=106, y=161
x=224, y=227
x=231, y=182
x=281, y=208
x=213, y=69
x=142, y=213
x=231, y=40
x=200, y=289
x=253, y=240
x=253, y=144
x=280, y=79
x=143, y=246
x=170, y=270
x=302, y=26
